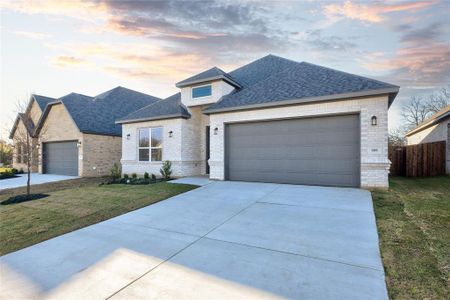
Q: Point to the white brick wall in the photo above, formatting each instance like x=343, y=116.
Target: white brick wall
x=218, y=89
x=374, y=161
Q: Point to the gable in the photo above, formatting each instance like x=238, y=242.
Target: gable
x=58, y=125
x=35, y=112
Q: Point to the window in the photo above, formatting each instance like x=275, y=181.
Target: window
x=19, y=153
x=201, y=91
x=150, y=144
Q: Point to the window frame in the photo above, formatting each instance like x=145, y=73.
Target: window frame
x=149, y=147
x=200, y=86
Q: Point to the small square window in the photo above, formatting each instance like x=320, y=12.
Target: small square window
x=201, y=91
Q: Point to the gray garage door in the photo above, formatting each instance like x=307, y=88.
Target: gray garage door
x=60, y=158
x=315, y=151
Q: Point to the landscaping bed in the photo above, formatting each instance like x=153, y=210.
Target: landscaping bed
x=413, y=220
x=67, y=209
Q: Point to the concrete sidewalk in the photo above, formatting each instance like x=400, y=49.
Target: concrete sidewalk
x=36, y=178
x=225, y=240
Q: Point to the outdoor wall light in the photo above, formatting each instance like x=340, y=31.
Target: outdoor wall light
x=79, y=144
x=128, y=136
x=216, y=130
x=374, y=121
x=170, y=133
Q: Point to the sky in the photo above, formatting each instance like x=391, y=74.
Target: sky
x=53, y=47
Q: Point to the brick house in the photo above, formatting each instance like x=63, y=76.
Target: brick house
x=76, y=134
x=272, y=120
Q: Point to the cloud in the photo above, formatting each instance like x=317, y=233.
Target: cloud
x=421, y=61
x=33, y=35
x=68, y=61
x=317, y=41
x=371, y=12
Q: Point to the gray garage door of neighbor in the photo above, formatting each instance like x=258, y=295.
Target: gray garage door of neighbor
x=60, y=158
x=312, y=151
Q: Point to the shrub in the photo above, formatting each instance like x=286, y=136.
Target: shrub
x=15, y=171
x=134, y=175
x=21, y=171
x=153, y=177
x=125, y=176
x=166, y=169
x=115, y=173
x=146, y=176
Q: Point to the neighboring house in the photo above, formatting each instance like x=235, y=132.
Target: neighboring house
x=25, y=125
x=273, y=120
x=435, y=129
x=77, y=134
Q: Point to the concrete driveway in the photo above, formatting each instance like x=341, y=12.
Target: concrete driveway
x=36, y=178
x=225, y=240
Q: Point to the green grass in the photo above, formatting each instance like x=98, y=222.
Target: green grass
x=65, y=210
x=413, y=220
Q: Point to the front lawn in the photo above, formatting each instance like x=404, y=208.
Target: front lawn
x=413, y=220
x=65, y=210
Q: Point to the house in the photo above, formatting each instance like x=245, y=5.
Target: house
x=435, y=129
x=272, y=120
x=77, y=135
x=24, y=125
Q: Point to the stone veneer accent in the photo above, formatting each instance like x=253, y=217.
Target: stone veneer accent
x=374, y=139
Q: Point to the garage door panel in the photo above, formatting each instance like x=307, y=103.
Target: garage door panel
x=323, y=151
x=60, y=158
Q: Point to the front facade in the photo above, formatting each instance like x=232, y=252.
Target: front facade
x=76, y=134
x=435, y=129
x=263, y=122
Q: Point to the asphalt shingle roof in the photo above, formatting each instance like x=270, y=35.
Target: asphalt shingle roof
x=273, y=79
x=270, y=80
x=42, y=101
x=167, y=108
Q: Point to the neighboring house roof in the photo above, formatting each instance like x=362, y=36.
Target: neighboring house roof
x=42, y=101
x=97, y=115
x=273, y=81
x=27, y=122
x=435, y=119
x=209, y=75
x=170, y=107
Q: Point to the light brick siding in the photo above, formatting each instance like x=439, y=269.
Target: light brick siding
x=96, y=154
x=185, y=149
x=35, y=112
x=374, y=162
x=218, y=89
x=100, y=153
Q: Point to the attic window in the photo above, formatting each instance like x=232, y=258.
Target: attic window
x=201, y=91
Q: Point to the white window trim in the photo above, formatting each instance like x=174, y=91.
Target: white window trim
x=199, y=86
x=149, y=144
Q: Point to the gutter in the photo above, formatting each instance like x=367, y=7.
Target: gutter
x=306, y=100
x=172, y=116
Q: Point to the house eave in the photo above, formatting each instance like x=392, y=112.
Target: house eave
x=209, y=79
x=391, y=92
x=163, y=117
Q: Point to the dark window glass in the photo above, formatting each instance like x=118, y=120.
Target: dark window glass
x=201, y=91
x=143, y=154
x=143, y=137
x=156, y=154
x=157, y=137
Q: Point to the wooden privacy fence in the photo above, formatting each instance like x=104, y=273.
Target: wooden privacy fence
x=420, y=160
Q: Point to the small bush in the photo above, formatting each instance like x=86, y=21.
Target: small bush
x=166, y=169
x=115, y=173
x=125, y=176
x=146, y=175
x=134, y=175
x=153, y=177
x=15, y=171
x=21, y=171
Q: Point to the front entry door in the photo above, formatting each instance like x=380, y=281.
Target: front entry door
x=207, y=149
